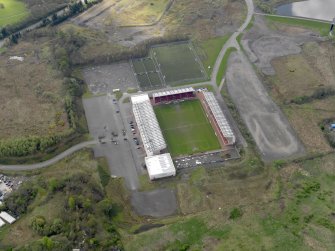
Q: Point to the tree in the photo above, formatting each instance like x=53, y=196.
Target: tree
x=4, y=32
x=71, y=203
x=56, y=227
x=47, y=243
x=235, y=213
x=38, y=224
x=54, y=17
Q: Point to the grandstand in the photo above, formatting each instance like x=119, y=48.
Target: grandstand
x=147, y=123
x=217, y=118
x=172, y=95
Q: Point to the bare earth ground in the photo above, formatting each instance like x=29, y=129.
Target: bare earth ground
x=268, y=126
x=297, y=63
x=31, y=98
x=306, y=119
x=263, y=44
x=215, y=19
x=105, y=78
x=152, y=203
x=303, y=74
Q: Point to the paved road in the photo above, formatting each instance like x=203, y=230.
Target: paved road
x=50, y=161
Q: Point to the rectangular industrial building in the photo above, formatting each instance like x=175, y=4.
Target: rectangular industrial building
x=171, y=95
x=7, y=217
x=151, y=134
x=160, y=166
x=217, y=118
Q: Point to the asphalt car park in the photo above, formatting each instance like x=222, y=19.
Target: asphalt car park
x=109, y=127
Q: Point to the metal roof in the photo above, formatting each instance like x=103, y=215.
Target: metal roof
x=172, y=92
x=2, y=223
x=7, y=217
x=219, y=117
x=151, y=134
x=160, y=166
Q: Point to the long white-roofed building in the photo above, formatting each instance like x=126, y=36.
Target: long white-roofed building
x=151, y=134
x=217, y=119
x=7, y=217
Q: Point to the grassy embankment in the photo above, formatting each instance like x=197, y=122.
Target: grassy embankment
x=318, y=26
x=223, y=65
x=209, y=50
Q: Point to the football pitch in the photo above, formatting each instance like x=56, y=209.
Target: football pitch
x=186, y=128
x=179, y=63
x=147, y=75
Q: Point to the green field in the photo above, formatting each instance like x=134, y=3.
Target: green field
x=209, y=50
x=321, y=27
x=179, y=63
x=223, y=65
x=146, y=73
x=12, y=12
x=186, y=128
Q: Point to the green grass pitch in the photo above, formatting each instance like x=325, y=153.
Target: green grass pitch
x=179, y=63
x=186, y=128
x=12, y=12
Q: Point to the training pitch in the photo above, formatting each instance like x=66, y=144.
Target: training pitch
x=178, y=63
x=168, y=64
x=147, y=74
x=186, y=128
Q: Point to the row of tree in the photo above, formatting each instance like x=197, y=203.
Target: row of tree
x=29, y=145
x=320, y=93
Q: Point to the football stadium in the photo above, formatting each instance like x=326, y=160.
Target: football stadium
x=176, y=123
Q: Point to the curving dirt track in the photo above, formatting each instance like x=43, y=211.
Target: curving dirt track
x=269, y=127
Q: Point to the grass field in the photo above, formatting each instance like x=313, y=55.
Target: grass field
x=179, y=63
x=286, y=209
x=301, y=76
x=31, y=102
x=12, y=12
x=186, y=128
x=146, y=73
x=209, y=50
x=223, y=65
x=138, y=12
x=321, y=27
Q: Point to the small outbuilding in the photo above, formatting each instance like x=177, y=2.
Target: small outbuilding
x=7, y=217
x=160, y=166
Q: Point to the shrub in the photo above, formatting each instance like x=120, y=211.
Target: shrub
x=18, y=201
x=235, y=213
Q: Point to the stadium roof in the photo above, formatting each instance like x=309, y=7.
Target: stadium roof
x=172, y=92
x=5, y=216
x=160, y=166
x=147, y=123
x=219, y=117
